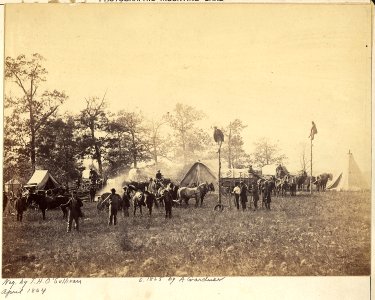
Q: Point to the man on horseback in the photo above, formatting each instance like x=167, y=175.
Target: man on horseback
x=159, y=179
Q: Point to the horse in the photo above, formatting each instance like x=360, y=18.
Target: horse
x=185, y=193
x=321, y=181
x=46, y=202
x=92, y=193
x=150, y=199
x=211, y=187
x=142, y=186
x=300, y=180
x=20, y=206
x=138, y=201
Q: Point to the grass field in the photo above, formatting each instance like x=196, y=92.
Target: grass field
x=324, y=234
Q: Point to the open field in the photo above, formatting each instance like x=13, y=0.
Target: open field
x=326, y=234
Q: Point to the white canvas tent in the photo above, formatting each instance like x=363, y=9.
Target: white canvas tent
x=42, y=180
x=198, y=174
x=350, y=179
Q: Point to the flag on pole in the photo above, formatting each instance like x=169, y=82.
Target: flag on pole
x=313, y=131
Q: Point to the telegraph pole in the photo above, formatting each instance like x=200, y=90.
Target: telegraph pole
x=219, y=174
x=311, y=165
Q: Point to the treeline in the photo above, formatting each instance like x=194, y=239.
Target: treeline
x=38, y=135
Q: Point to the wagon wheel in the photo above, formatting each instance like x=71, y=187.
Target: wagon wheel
x=219, y=207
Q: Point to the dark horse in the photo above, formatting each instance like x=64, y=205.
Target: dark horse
x=321, y=181
x=47, y=202
x=300, y=180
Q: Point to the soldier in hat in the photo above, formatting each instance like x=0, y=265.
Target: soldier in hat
x=243, y=195
x=74, y=211
x=126, y=201
x=114, y=203
x=237, y=192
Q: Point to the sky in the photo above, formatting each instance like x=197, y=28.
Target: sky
x=275, y=67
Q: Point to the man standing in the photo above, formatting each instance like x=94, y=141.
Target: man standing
x=268, y=192
x=237, y=192
x=126, y=201
x=255, y=195
x=114, y=203
x=243, y=195
x=74, y=205
x=168, y=203
x=20, y=206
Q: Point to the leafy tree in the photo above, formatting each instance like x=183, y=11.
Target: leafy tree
x=94, y=119
x=134, y=136
x=31, y=109
x=200, y=145
x=233, y=148
x=158, y=144
x=183, y=120
x=57, y=148
x=267, y=153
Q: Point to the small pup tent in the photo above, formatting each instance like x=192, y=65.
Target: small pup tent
x=351, y=178
x=42, y=180
x=198, y=173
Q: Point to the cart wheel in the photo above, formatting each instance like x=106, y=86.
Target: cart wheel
x=219, y=207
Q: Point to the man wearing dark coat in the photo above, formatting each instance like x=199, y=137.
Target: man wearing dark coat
x=20, y=206
x=74, y=211
x=114, y=203
x=168, y=201
x=255, y=193
x=126, y=201
x=267, y=195
x=243, y=195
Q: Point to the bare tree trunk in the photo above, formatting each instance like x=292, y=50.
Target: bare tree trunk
x=33, y=136
x=97, y=150
x=32, y=150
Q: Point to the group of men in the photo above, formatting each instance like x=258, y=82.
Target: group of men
x=241, y=191
x=115, y=202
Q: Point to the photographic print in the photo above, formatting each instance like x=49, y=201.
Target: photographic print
x=190, y=140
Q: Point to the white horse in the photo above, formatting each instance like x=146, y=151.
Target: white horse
x=185, y=193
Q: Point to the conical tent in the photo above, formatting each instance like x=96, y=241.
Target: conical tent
x=198, y=173
x=351, y=179
x=43, y=180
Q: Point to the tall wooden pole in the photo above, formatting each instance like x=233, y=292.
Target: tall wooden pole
x=311, y=165
x=219, y=174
